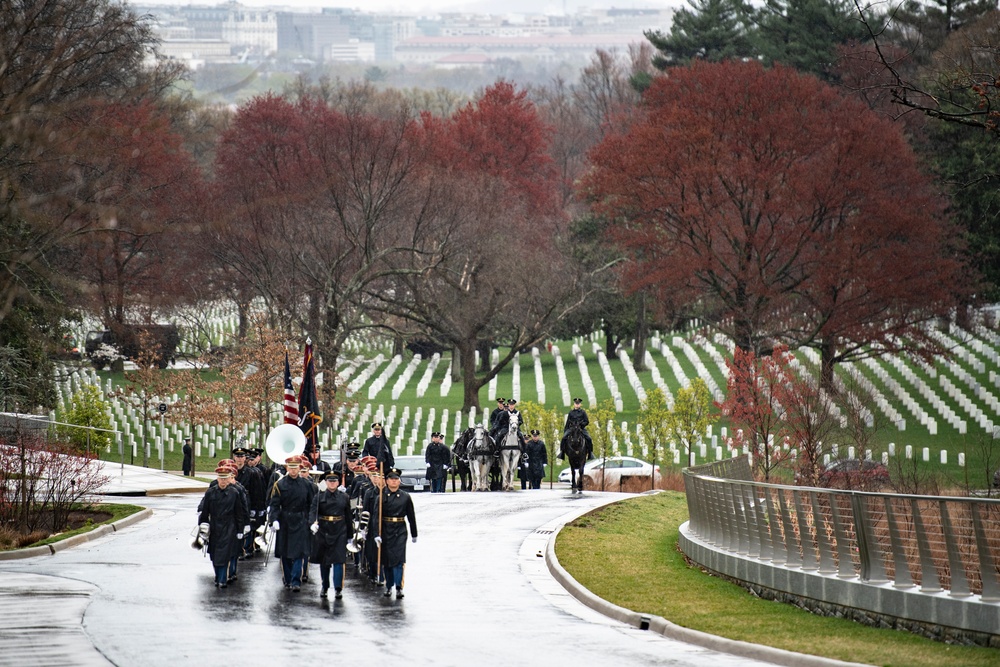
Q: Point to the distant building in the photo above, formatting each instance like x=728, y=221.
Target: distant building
x=310, y=35
x=252, y=28
x=353, y=50
x=568, y=48
x=390, y=32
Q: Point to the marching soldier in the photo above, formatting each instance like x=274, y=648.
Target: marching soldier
x=576, y=417
x=329, y=517
x=250, y=479
x=370, y=504
x=224, y=515
x=291, y=501
x=438, y=460
x=351, y=458
x=537, y=459
x=377, y=445
x=397, y=510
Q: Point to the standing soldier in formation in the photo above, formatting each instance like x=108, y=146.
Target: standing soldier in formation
x=186, y=464
x=377, y=445
x=397, y=510
x=438, y=459
x=330, y=517
x=291, y=501
x=538, y=458
x=225, y=513
x=370, y=504
x=576, y=417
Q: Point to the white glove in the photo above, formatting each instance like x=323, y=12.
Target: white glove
x=275, y=526
x=239, y=536
x=246, y=530
x=414, y=539
x=315, y=527
x=378, y=539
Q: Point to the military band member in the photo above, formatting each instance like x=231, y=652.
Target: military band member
x=538, y=458
x=377, y=445
x=397, y=511
x=225, y=513
x=351, y=457
x=576, y=417
x=370, y=504
x=250, y=479
x=330, y=518
x=438, y=459
x=291, y=501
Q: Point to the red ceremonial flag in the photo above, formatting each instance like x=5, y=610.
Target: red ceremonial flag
x=291, y=405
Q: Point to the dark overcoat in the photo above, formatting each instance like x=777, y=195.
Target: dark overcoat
x=395, y=506
x=438, y=459
x=332, y=511
x=538, y=456
x=226, y=512
x=291, y=500
x=378, y=446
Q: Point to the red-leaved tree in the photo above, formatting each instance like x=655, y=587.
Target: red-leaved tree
x=785, y=210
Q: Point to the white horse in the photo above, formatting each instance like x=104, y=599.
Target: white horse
x=480, y=455
x=510, y=452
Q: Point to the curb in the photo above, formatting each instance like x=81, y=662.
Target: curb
x=670, y=630
x=76, y=540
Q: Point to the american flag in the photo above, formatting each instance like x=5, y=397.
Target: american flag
x=291, y=405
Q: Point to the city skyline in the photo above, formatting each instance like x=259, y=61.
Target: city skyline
x=557, y=7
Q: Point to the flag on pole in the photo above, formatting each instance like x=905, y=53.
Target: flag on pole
x=309, y=417
x=291, y=405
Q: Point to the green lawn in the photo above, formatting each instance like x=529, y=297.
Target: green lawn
x=627, y=554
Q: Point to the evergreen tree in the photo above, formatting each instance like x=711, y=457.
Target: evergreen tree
x=710, y=30
x=804, y=33
x=921, y=27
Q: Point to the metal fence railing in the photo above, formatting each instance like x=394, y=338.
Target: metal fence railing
x=936, y=543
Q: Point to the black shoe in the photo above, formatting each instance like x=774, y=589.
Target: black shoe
x=387, y=593
x=338, y=595
x=233, y=578
x=223, y=585
x=322, y=593
x=399, y=593
x=296, y=589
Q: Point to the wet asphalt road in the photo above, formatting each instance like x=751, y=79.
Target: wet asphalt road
x=477, y=593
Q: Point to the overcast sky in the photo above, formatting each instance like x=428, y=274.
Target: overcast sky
x=431, y=6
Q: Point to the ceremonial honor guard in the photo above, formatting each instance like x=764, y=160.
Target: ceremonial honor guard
x=538, y=458
x=377, y=445
x=223, y=516
x=370, y=504
x=397, y=510
x=500, y=408
x=576, y=417
x=187, y=463
x=291, y=501
x=330, y=517
x=250, y=479
x=438, y=460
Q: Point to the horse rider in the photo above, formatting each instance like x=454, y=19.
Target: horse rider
x=500, y=408
x=291, y=500
x=397, y=510
x=437, y=456
x=538, y=458
x=329, y=520
x=377, y=445
x=223, y=518
x=502, y=424
x=576, y=417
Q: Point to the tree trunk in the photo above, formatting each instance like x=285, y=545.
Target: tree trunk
x=243, y=311
x=610, y=342
x=397, y=345
x=456, y=365
x=470, y=382
x=828, y=350
x=641, y=334
x=485, y=363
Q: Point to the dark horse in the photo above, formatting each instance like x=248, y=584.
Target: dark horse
x=460, y=450
x=575, y=449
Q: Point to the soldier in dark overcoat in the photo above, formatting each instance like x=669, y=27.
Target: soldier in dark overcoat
x=250, y=479
x=497, y=411
x=397, y=511
x=369, y=503
x=377, y=445
x=438, y=459
x=288, y=512
x=330, y=519
x=538, y=458
x=576, y=417
x=225, y=511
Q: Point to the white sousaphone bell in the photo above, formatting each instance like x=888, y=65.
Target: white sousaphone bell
x=284, y=441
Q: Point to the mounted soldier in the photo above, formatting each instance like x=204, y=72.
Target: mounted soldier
x=576, y=417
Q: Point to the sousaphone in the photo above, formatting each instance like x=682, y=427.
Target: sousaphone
x=284, y=441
